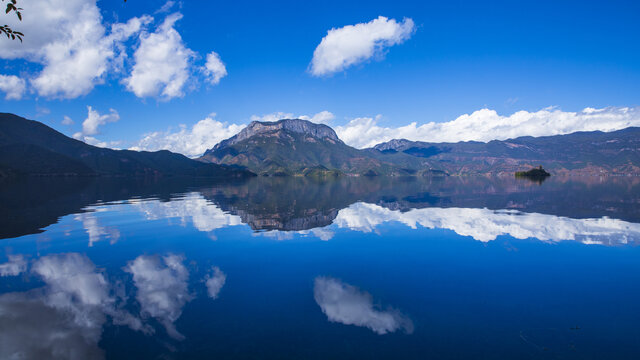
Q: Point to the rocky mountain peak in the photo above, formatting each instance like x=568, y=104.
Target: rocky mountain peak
x=306, y=127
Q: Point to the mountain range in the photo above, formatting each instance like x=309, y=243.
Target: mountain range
x=295, y=147
x=29, y=147
x=595, y=152
x=299, y=147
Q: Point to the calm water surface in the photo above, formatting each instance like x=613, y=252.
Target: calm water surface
x=445, y=268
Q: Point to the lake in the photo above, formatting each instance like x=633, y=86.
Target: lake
x=292, y=268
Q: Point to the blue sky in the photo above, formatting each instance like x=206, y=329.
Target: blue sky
x=459, y=57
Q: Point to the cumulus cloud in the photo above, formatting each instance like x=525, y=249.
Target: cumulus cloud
x=486, y=125
x=214, y=69
x=161, y=288
x=91, y=124
x=162, y=63
x=94, y=120
x=78, y=51
x=15, y=266
x=190, y=142
x=13, y=87
x=353, y=44
x=323, y=117
x=68, y=38
x=486, y=225
x=346, y=304
x=215, y=281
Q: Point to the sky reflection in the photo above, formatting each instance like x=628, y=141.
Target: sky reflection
x=486, y=225
x=348, y=305
x=63, y=319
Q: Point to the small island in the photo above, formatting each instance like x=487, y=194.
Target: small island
x=538, y=174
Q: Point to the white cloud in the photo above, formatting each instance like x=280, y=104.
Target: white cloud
x=214, y=69
x=353, y=44
x=348, y=305
x=162, y=288
x=215, y=281
x=486, y=125
x=162, y=63
x=96, y=142
x=13, y=87
x=15, y=266
x=67, y=120
x=323, y=117
x=77, y=51
x=190, y=142
x=94, y=120
x=69, y=39
x=486, y=225
x=166, y=7
x=91, y=124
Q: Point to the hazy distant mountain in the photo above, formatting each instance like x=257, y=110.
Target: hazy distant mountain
x=594, y=152
x=29, y=147
x=300, y=147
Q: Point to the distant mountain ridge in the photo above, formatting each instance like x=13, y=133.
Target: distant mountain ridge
x=594, y=152
x=28, y=147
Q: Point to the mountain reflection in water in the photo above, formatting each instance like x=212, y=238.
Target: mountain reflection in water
x=457, y=267
x=587, y=209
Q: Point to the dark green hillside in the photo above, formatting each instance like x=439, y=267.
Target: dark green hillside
x=29, y=147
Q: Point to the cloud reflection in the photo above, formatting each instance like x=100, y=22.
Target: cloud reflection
x=63, y=319
x=204, y=215
x=215, y=281
x=15, y=266
x=162, y=288
x=348, y=305
x=486, y=225
x=96, y=231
